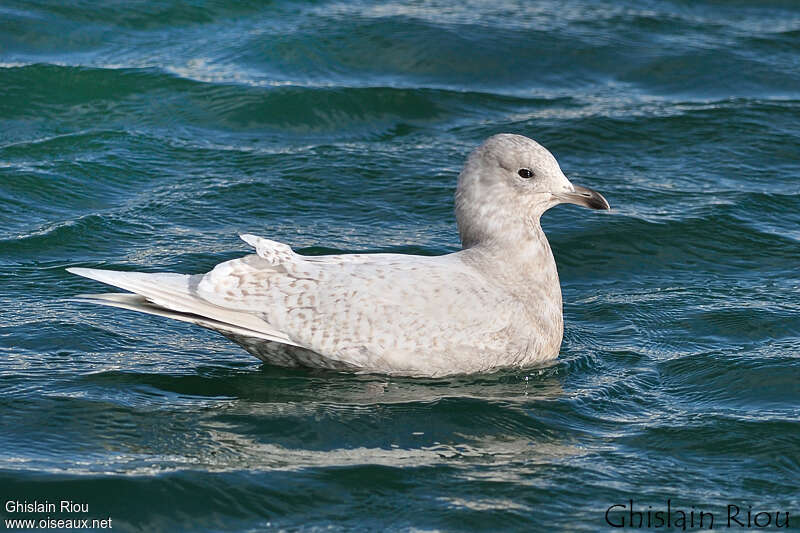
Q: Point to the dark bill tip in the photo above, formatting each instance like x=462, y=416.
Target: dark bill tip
x=586, y=197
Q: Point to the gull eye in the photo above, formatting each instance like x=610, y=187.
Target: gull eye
x=525, y=173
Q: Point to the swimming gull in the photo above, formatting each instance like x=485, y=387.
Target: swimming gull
x=494, y=304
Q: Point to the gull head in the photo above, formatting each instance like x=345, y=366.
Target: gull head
x=506, y=185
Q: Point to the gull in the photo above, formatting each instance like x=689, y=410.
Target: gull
x=494, y=304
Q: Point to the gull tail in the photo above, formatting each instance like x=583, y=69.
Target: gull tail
x=175, y=296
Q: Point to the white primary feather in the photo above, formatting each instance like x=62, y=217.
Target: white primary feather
x=134, y=302
x=173, y=292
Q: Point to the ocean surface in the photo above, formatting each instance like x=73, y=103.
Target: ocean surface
x=147, y=135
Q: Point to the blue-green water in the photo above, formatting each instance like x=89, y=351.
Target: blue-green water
x=147, y=135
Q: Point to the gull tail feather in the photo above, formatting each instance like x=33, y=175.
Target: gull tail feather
x=172, y=296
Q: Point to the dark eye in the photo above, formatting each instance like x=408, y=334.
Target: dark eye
x=525, y=173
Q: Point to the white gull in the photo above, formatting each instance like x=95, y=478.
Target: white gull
x=494, y=304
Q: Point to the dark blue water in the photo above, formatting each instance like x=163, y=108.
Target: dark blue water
x=148, y=135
